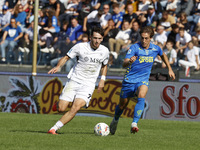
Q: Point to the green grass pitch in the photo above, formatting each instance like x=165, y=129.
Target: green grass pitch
x=28, y=131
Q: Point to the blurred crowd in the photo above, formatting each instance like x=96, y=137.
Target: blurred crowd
x=63, y=23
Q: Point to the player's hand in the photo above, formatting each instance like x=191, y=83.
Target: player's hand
x=100, y=86
x=132, y=59
x=54, y=70
x=171, y=74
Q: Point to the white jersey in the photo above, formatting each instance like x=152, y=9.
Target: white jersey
x=89, y=62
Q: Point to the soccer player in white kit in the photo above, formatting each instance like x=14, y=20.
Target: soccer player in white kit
x=92, y=58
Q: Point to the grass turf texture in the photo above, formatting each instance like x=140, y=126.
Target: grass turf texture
x=28, y=131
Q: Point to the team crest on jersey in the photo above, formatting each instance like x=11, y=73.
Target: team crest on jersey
x=140, y=48
x=129, y=51
x=86, y=58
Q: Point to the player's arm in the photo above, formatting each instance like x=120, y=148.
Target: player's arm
x=128, y=61
x=165, y=60
x=61, y=62
x=104, y=69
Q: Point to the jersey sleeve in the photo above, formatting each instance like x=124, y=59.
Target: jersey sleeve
x=74, y=51
x=105, y=61
x=131, y=52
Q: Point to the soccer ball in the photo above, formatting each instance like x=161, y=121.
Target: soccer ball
x=101, y=129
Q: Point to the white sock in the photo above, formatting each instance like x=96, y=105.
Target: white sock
x=57, y=126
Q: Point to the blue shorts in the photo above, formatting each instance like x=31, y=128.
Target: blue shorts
x=129, y=89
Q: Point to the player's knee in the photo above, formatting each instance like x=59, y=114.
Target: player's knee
x=61, y=109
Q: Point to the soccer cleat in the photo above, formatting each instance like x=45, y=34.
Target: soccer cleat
x=52, y=131
x=134, y=128
x=113, y=126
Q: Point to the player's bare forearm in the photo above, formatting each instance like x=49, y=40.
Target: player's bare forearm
x=61, y=62
x=104, y=69
x=165, y=60
x=128, y=61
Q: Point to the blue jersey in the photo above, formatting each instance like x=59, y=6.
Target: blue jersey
x=139, y=71
x=118, y=17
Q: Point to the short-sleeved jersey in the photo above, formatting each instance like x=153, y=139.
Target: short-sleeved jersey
x=89, y=62
x=139, y=71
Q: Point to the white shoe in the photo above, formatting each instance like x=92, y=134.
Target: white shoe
x=44, y=50
x=113, y=126
x=51, y=49
x=134, y=127
x=26, y=49
x=3, y=59
x=21, y=49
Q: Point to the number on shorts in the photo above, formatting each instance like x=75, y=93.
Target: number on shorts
x=89, y=97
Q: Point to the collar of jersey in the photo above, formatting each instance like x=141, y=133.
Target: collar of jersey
x=150, y=46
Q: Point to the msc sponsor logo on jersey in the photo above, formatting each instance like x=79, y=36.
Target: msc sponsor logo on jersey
x=145, y=59
x=96, y=60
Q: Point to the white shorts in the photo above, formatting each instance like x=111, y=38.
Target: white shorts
x=73, y=90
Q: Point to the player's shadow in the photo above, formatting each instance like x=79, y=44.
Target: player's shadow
x=45, y=132
x=30, y=131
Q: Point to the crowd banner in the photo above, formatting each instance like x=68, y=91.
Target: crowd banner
x=37, y=94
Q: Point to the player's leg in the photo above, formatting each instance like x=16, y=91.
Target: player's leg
x=68, y=116
x=118, y=112
x=62, y=106
x=139, y=107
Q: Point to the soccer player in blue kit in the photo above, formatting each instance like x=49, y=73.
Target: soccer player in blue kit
x=139, y=60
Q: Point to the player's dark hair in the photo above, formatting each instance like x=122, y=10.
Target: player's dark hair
x=149, y=30
x=98, y=30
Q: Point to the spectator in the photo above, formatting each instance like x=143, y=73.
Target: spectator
x=2, y=3
x=171, y=54
x=161, y=35
x=122, y=4
x=24, y=4
x=11, y=4
x=182, y=40
x=130, y=16
x=135, y=33
x=142, y=7
x=46, y=45
x=191, y=58
x=183, y=23
x=96, y=4
x=25, y=54
x=71, y=11
x=110, y=32
x=75, y=31
x=52, y=24
x=184, y=6
x=142, y=20
x=171, y=6
x=195, y=13
x=57, y=6
x=134, y=3
x=152, y=17
x=121, y=38
x=4, y=19
x=84, y=8
x=173, y=33
x=106, y=16
x=10, y=39
x=20, y=16
x=117, y=16
x=42, y=21
x=167, y=20
x=157, y=7
x=93, y=19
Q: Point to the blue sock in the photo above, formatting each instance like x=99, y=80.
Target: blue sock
x=118, y=112
x=139, y=107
